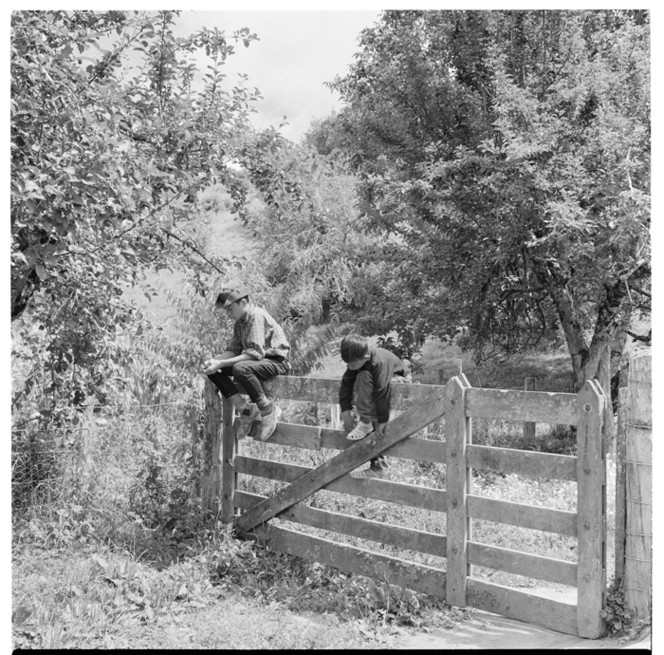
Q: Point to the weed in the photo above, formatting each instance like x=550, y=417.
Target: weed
x=619, y=620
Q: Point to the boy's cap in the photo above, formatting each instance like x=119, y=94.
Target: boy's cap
x=233, y=294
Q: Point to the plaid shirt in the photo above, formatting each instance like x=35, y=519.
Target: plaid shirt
x=258, y=335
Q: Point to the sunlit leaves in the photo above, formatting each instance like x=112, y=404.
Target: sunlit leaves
x=509, y=153
x=111, y=141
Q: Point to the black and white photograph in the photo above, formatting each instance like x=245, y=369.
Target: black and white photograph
x=331, y=328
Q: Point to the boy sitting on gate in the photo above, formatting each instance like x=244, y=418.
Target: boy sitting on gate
x=258, y=351
x=369, y=374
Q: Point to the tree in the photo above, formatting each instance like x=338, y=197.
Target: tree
x=310, y=248
x=505, y=158
x=112, y=136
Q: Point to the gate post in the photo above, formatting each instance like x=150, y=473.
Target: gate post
x=638, y=487
x=591, y=520
x=457, y=435
x=211, y=450
x=228, y=474
x=529, y=428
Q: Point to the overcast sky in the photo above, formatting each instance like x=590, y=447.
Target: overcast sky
x=297, y=52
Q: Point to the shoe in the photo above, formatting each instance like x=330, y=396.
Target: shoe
x=269, y=423
x=245, y=420
x=256, y=428
x=378, y=474
x=360, y=431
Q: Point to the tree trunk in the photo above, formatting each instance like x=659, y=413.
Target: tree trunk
x=576, y=344
x=586, y=359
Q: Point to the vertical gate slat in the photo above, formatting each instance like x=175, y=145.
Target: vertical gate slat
x=590, y=511
x=456, y=434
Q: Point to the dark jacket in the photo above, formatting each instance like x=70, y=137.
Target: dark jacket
x=382, y=364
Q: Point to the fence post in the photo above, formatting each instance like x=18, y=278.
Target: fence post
x=591, y=522
x=457, y=434
x=530, y=384
x=211, y=450
x=228, y=474
x=638, y=486
x=620, y=486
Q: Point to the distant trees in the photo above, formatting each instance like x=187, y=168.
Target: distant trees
x=505, y=158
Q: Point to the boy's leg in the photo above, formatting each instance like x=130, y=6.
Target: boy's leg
x=221, y=379
x=250, y=374
x=365, y=405
x=247, y=413
x=366, y=408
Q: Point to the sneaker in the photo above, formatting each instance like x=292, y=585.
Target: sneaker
x=256, y=428
x=379, y=474
x=245, y=420
x=269, y=423
x=360, y=431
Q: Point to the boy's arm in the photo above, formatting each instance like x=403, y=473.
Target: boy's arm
x=227, y=359
x=232, y=355
x=346, y=398
x=346, y=390
x=255, y=337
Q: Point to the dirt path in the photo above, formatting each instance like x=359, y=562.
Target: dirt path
x=486, y=630
x=490, y=631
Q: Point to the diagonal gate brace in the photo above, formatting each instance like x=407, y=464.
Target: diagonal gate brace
x=417, y=417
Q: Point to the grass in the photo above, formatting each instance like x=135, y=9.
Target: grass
x=552, y=368
x=97, y=598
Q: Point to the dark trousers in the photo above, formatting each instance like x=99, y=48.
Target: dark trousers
x=365, y=407
x=249, y=373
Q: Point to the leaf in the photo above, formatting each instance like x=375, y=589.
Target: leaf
x=41, y=271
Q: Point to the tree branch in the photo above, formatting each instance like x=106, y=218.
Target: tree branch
x=646, y=338
x=187, y=243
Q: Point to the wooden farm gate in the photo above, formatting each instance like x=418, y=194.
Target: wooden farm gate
x=423, y=404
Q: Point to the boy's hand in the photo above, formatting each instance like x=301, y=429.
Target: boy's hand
x=349, y=421
x=211, y=366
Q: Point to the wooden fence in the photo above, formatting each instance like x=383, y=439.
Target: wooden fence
x=459, y=403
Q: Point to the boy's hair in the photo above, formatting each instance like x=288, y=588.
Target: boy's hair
x=353, y=347
x=221, y=298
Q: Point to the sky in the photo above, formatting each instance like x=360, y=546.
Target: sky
x=297, y=52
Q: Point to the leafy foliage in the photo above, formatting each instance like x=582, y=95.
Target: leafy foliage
x=311, y=247
x=111, y=141
x=506, y=157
